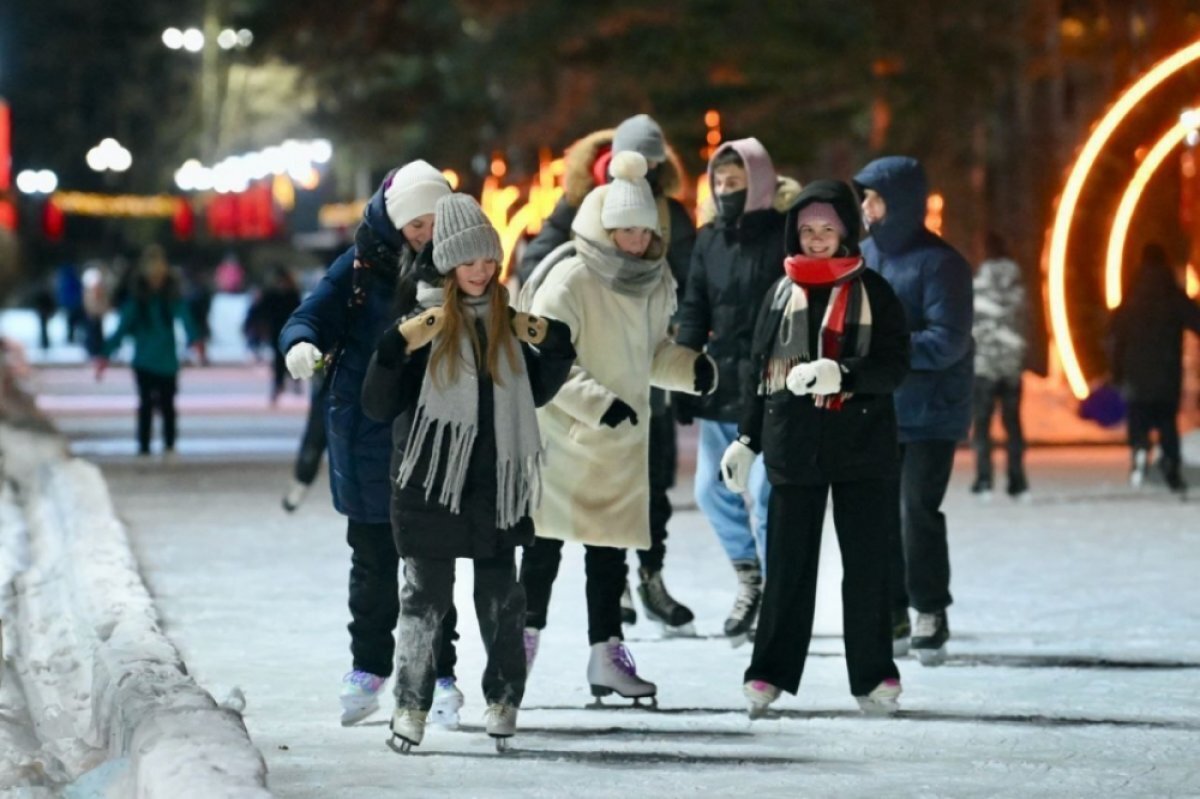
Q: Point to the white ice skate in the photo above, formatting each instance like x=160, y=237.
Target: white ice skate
x=447, y=701
x=408, y=728
x=759, y=695
x=930, y=634
x=883, y=699
x=501, y=723
x=360, y=696
x=611, y=670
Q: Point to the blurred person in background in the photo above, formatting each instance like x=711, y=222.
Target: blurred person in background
x=148, y=317
x=1146, y=359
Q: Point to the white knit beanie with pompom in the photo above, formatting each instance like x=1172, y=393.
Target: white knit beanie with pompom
x=629, y=201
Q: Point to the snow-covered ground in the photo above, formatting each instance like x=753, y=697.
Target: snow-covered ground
x=1073, y=667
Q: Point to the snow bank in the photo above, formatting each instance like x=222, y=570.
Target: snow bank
x=101, y=679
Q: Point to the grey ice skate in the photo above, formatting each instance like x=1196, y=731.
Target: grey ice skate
x=611, y=670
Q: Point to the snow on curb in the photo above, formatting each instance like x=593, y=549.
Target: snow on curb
x=101, y=678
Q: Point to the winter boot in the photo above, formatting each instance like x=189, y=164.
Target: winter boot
x=661, y=606
x=1172, y=475
x=611, y=670
x=501, y=723
x=1018, y=486
x=901, y=633
x=296, y=493
x=760, y=695
x=930, y=635
x=360, y=695
x=447, y=701
x=745, y=605
x=982, y=488
x=408, y=725
x=883, y=699
x=531, y=636
x=628, y=610
x=1137, y=473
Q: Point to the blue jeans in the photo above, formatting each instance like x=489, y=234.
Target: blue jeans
x=726, y=511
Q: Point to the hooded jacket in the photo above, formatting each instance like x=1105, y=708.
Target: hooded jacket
x=579, y=179
x=804, y=444
x=733, y=266
x=360, y=449
x=933, y=283
x=595, y=487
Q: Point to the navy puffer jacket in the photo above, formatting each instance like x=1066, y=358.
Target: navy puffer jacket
x=933, y=283
x=359, y=449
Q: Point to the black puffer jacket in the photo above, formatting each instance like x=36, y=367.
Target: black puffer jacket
x=1146, y=336
x=423, y=527
x=803, y=444
x=732, y=269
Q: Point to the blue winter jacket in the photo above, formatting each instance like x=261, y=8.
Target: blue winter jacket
x=933, y=283
x=360, y=450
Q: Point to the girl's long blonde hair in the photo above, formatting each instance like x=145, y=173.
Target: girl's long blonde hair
x=444, y=359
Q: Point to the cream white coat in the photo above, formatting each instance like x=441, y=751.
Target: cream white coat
x=596, y=477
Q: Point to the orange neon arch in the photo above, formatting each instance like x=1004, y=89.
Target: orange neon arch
x=1060, y=233
x=1133, y=193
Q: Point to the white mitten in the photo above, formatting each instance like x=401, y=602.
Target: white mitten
x=735, y=465
x=302, y=360
x=822, y=376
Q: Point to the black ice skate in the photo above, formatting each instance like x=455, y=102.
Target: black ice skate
x=901, y=633
x=628, y=610
x=745, y=606
x=661, y=607
x=930, y=635
x=611, y=670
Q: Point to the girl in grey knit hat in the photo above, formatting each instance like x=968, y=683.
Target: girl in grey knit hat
x=459, y=377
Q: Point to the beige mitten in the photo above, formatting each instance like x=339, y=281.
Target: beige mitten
x=529, y=328
x=420, y=330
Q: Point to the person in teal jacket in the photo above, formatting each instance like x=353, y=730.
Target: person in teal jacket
x=149, y=316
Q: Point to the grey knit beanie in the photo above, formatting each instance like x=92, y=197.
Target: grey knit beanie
x=461, y=234
x=642, y=135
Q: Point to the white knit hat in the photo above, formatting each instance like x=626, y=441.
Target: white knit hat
x=413, y=192
x=629, y=201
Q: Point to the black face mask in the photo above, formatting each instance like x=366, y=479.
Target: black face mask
x=731, y=205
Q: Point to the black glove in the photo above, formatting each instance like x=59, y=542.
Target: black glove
x=558, y=336
x=391, y=349
x=685, y=408
x=617, y=413
x=706, y=374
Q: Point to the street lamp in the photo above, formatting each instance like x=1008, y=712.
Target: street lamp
x=109, y=155
x=193, y=39
x=37, y=181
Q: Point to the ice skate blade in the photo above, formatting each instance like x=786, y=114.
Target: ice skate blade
x=756, y=712
x=878, y=707
x=682, y=631
x=738, y=640
x=501, y=743
x=931, y=657
x=400, y=745
x=599, y=691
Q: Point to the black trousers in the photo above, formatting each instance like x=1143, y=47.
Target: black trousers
x=920, y=574
x=862, y=515
x=375, y=602
x=1146, y=417
x=605, y=571
x=426, y=601
x=279, y=372
x=155, y=393
x=662, y=477
x=986, y=393
x=312, y=444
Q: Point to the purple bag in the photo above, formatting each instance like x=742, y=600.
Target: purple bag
x=1105, y=406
